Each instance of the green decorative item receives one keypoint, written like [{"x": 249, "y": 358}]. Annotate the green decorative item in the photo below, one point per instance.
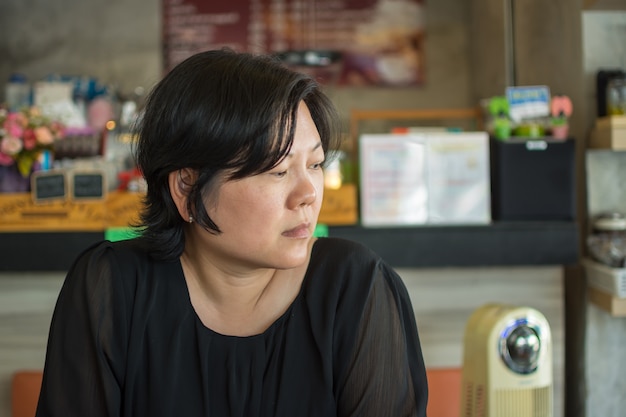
[
  {"x": 115, "y": 234},
  {"x": 530, "y": 130},
  {"x": 321, "y": 230},
  {"x": 499, "y": 111}
]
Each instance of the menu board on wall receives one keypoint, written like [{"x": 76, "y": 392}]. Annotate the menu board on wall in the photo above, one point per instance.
[{"x": 376, "y": 42}]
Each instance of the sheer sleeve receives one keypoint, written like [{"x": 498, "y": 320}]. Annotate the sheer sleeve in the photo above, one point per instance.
[
  {"x": 384, "y": 374},
  {"x": 84, "y": 365}
]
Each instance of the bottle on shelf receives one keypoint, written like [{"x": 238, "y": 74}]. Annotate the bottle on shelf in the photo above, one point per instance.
[
  {"x": 17, "y": 92},
  {"x": 616, "y": 96}
]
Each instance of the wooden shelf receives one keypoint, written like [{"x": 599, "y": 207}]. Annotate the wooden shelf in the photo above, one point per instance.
[
  {"x": 609, "y": 133},
  {"x": 604, "y": 5},
  {"x": 21, "y": 214},
  {"x": 615, "y": 306}
]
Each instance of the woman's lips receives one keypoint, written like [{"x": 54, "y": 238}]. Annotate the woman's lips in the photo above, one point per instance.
[{"x": 299, "y": 232}]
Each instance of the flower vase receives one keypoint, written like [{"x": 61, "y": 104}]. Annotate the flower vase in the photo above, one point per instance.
[
  {"x": 12, "y": 181},
  {"x": 560, "y": 131}
]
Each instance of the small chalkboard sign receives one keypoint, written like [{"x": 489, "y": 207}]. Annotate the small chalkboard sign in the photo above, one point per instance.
[
  {"x": 48, "y": 185},
  {"x": 88, "y": 185}
]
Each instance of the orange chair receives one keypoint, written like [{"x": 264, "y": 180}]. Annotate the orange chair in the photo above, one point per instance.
[
  {"x": 25, "y": 388},
  {"x": 444, "y": 392}
]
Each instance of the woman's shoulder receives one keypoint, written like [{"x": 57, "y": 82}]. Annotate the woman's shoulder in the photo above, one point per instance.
[
  {"x": 343, "y": 265},
  {"x": 125, "y": 268},
  {"x": 344, "y": 278},
  {"x": 106, "y": 262},
  {"x": 344, "y": 251},
  {"x": 349, "y": 265},
  {"x": 124, "y": 252}
]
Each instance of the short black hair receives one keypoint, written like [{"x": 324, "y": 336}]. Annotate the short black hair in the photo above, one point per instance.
[{"x": 219, "y": 112}]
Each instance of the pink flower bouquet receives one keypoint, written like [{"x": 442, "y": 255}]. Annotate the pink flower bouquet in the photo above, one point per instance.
[{"x": 24, "y": 136}]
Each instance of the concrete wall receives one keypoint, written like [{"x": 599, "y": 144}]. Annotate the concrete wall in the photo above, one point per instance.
[
  {"x": 603, "y": 44},
  {"x": 117, "y": 41}
]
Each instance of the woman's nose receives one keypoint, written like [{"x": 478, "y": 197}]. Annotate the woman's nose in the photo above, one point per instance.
[{"x": 305, "y": 191}]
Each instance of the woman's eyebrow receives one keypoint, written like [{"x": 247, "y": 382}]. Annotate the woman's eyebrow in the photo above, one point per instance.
[{"x": 313, "y": 148}]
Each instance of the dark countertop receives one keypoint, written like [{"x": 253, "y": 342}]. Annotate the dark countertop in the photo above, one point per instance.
[{"x": 498, "y": 244}]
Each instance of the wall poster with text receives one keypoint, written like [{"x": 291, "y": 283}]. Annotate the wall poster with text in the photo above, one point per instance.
[{"x": 342, "y": 42}]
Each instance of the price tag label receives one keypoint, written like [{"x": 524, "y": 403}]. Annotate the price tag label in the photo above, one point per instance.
[{"x": 530, "y": 102}]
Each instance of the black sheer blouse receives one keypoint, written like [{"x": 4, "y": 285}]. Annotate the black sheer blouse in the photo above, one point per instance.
[{"x": 126, "y": 341}]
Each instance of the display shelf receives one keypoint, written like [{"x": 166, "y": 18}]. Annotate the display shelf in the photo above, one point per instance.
[
  {"x": 607, "y": 5},
  {"x": 498, "y": 244},
  {"x": 613, "y": 305},
  {"x": 609, "y": 133}
]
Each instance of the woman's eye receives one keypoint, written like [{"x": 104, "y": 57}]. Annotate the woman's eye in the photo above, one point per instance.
[
  {"x": 279, "y": 174},
  {"x": 317, "y": 165}
]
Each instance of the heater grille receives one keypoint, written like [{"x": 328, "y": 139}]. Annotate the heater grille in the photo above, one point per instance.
[
  {"x": 475, "y": 404},
  {"x": 524, "y": 403}
]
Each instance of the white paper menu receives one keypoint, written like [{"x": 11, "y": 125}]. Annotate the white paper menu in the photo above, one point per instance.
[
  {"x": 393, "y": 182},
  {"x": 458, "y": 178}
]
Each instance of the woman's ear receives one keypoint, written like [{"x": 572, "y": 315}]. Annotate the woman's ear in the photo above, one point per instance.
[{"x": 180, "y": 182}]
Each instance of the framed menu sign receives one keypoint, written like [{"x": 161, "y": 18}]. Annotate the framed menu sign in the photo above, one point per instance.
[{"x": 370, "y": 42}]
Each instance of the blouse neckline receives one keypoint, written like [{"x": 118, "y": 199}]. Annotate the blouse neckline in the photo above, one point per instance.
[{"x": 271, "y": 328}]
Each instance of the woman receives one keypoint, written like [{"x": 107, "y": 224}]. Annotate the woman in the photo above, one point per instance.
[{"x": 226, "y": 305}]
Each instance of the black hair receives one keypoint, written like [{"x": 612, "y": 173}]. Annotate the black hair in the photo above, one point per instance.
[{"x": 225, "y": 115}]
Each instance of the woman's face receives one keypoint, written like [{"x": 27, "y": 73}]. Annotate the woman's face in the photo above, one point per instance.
[{"x": 267, "y": 220}]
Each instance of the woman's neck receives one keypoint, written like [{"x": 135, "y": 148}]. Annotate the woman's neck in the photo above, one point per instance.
[{"x": 238, "y": 302}]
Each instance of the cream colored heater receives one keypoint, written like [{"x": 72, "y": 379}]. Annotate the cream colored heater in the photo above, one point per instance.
[{"x": 507, "y": 363}]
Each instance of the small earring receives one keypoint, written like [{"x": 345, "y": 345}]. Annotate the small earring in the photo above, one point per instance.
[{"x": 190, "y": 219}]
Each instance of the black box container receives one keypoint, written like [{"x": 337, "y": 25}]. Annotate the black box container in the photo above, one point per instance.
[{"x": 533, "y": 179}]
